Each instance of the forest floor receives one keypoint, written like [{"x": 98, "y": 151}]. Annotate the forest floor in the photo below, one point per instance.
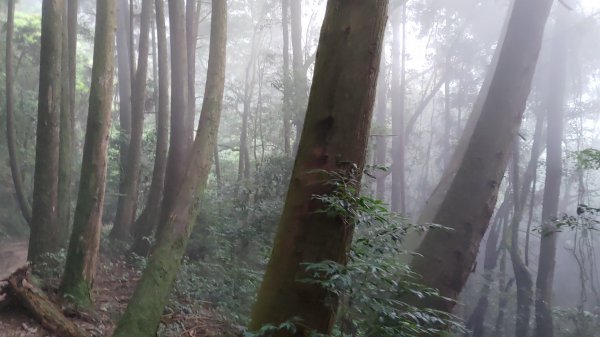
[{"x": 115, "y": 282}]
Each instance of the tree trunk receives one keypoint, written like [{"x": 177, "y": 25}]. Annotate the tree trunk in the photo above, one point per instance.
[
  {"x": 285, "y": 22},
  {"x": 192, "y": 18},
  {"x": 335, "y": 138},
  {"x": 148, "y": 219},
  {"x": 126, "y": 207},
  {"x": 178, "y": 147},
  {"x": 381, "y": 122},
  {"x": 446, "y": 256},
  {"x": 555, "y": 104},
  {"x": 398, "y": 204},
  {"x": 125, "y": 66},
  {"x": 44, "y": 227},
  {"x": 521, "y": 272},
  {"x": 11, "y": 135},
  {"x": 82, "y": 256},
  {"x": 300, "y": 88},
  {"x": 67, "y": 119},
  {"x": 143, "y": 312}
]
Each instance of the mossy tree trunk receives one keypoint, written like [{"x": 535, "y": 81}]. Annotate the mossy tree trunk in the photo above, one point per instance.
[
  {"x": 44, "y": 227},
  {"x": 148, "y": 219},
  {"x": 555, "y": 105},
  {"x": 142, "y": 316},
  {"x": 82, "y": 255},
  {"x": 11, "y": 134},
  {"x": 335, "y": 137},
  {"x": 127, "y": 204},
  {"x": 447, "y": 256}
]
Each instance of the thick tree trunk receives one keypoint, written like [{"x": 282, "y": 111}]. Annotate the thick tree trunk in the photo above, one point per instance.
[
  {"x": 125, "y": 66},
  {"x": 287, "y": 81},
  {"x": 398, "y": 202},
  {"x": 143, "y": 313},
  {"x": 11, "y": 134},
  {"x": 555, "y": 104},
  {"x": 148, "y": 219},
  {"x": 335, "y": 138},
  {"x": 447, "y": 256},
  {"x": 44, "y": 228},
  {"x": 82, "y": 256},
  {"x": 126, "y": 207}
]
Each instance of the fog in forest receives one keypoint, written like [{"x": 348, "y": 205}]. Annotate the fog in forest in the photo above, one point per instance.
[{"x": 288, "y": 168}]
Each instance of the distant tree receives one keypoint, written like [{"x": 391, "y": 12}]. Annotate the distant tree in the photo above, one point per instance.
[
  {"x": 555, "y": 106},
  {"x": 142, "y": 316},
  {"x": 148, "y": 219},
  {"x": 334, "y": 138},
  {"x": 125, "y": 67},
  {"x": 82, "y": 255},
  {"x": 11, "y": 136},
  {"x": 44, "y": 237},
  {"x": 127, "y": 204}
]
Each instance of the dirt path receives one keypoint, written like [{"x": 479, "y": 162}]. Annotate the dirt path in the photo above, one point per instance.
[{"x": 12, "y": 256}]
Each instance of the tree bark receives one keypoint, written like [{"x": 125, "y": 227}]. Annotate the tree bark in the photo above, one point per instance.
[
  {"x": 148, "y": 219},
  {"x": 126, "y": 207},
  {"x": 44, "y": 227},
  {"x": 336, "y": 133},
  {"x": 381, "y": 121},
  {"x": 446, "y": 257},
  {"x": 143, "y": 312},
  {"x": 11, "y": 135},
  {"x": 82, "y": 255},
  {"x": 555, "y": 104}
]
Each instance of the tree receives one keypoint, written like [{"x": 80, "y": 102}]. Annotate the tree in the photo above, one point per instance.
[
  {"x": 67, "y": 118},
  {"x": 131, "y": 175},
  {"x": 470, "y": 191},
  {"x": 125, "y": 67},
  {"x": 192, "y": 18},
  {"x": 555, "y": 104},
  {"x": 82, "y": 256},
  {"x": 286, "y": 83},
  {"x": 300, "y": 84},
  {"x": 44, "y": 237},
  {"x": 334, "y": 138},
  {"x": 11, "y": 136},
  {"x": 398, "y": 198},
  {"x": 142, "y": 316},
  {"x": 148, "y": 219}
]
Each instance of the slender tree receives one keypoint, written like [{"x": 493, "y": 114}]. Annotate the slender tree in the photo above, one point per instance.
[
  {"x": 300, "y": 82},
  {"x": 192, "y": 18},
  {"x": 398, "y": 202},
  {"x": 131, "y": 175},
  {"x": 555, "y": 104},
  {"x": 125, "y": 74},
  {"x": 336, "y": 133},
  {"x": 287, "y": 81},
  {"x": 82, "y": 256},
  {"x": 142, "y": 316},
  {"x": 44, "y": 237},
  {"x": 11, "y": 135},
  {"x": 446, "y": 257},
  {"x": 148, "y": 219}
]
